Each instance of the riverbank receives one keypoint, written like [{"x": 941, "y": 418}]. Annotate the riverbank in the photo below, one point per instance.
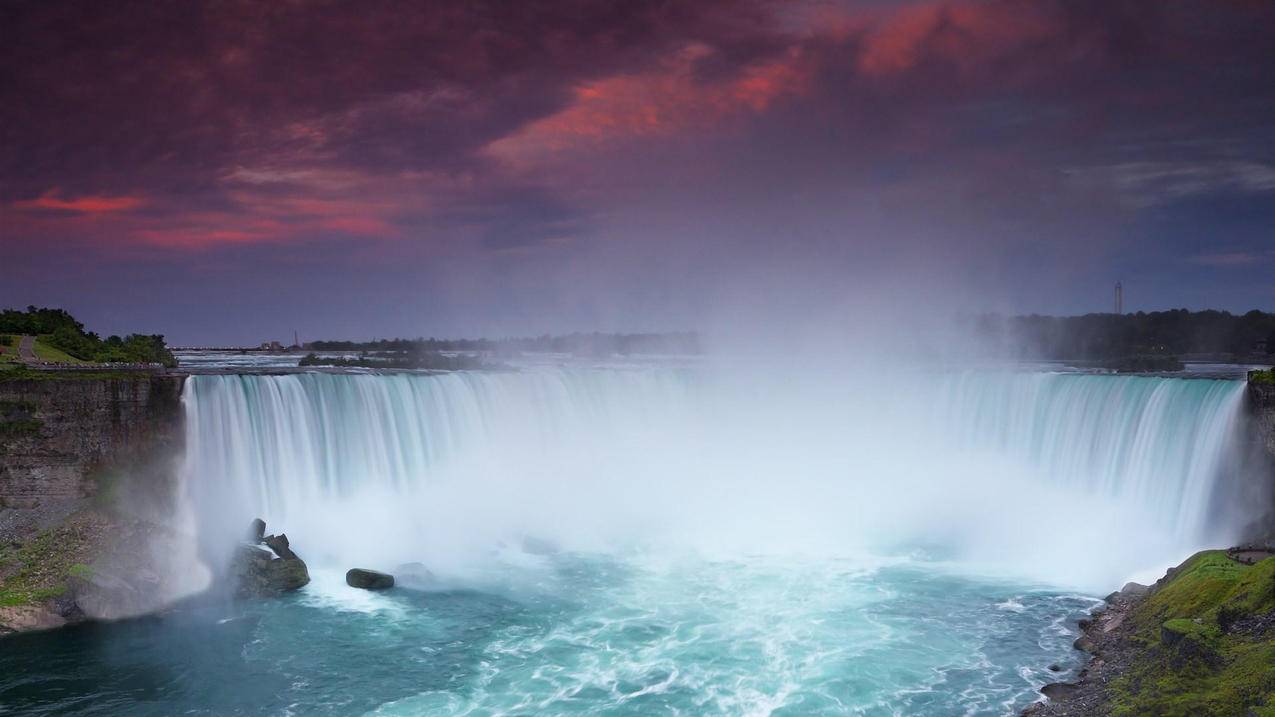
[{"x": 1199, "y": 642}]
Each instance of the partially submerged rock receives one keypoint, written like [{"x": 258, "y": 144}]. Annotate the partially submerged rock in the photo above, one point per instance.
[
  {"x": 267, "y": 569},
  {"x": 1059, "y": 691},
  {"x": 415, "y": 576},
  {"x": 368, "y": 579}
]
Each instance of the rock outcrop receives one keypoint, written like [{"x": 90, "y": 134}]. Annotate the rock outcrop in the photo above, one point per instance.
[{"x": 268, "y": 567}]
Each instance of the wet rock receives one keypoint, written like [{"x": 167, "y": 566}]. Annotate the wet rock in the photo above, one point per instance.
[
  {"x": 258, "y": 531},
  {"x": 415, "y": 576},
  {"x": 258, "y": 573},
  {"x": 279, "y": 544},
  {"x": 368, "y": 579},
  {"x": 27, "y": 618},
  {"x": 1059, "y": 691},
  {"x": 105, "y": 594},
  {"x": 1083, "y": 643},
  {"x": 1055, "y": 667},
  {"x": 269, "y": 570}
]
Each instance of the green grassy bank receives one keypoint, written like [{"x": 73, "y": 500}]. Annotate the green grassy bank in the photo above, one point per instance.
[{"x": 1207, "y": 639}]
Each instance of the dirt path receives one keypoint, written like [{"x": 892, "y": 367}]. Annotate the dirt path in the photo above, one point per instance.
[{"x": 26, "y": 349}]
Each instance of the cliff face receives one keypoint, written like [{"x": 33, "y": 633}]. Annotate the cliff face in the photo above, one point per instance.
[
  {"x": 89, "y": 503},
  {"x": 1261, "y": 405},
  {"x": 60, "y": 438}
]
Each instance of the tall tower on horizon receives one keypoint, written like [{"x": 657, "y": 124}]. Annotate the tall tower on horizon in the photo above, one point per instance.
[{"x": 1119, "y": 298}]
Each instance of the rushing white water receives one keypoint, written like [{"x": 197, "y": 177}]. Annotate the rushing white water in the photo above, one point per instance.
[{"x": 1016, "y": 473}]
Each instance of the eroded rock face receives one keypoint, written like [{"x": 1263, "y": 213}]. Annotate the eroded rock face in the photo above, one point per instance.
[
  {"x": 26, "y": 618},
  {"x": 369, "y": 579},
  {"x": 74, "y": 431},
  {"x": 1261, "y": 399}
]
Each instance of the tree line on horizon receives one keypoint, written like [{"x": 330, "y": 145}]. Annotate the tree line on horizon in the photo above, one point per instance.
[
  {"x": 1177, "y": 332},
  {"x": 59, "y": 329},
  {"x": 579, "y": 344}
]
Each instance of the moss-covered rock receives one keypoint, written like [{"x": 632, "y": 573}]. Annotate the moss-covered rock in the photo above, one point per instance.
[{"x": 1194, "y": 659}]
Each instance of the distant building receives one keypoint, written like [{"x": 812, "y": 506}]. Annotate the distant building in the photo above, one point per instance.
[{"x": 271, "y": 346}]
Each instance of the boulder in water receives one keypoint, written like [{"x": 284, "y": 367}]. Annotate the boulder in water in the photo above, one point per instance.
[
  {"x": 415, "y": 576},
  {"x": 368, "y": 579},
  {"x": 270, "y": 570},
  {"x": 257, "y": 573},
  {"x": 1059, "y": 691}
]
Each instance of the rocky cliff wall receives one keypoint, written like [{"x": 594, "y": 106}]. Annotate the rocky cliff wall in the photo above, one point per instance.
[
  {"x": 61, "y": 437},
  {"x": 1261, "y": 408},
  {"x": 91, "y": 523}
]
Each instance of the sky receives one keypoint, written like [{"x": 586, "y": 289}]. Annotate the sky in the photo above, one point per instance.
[{"x": 230, "y": 172}]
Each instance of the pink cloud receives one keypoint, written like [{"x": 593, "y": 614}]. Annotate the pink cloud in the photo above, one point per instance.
[
  {"x": 655, "y": 103},
  {"x": 87, "y": 204}
]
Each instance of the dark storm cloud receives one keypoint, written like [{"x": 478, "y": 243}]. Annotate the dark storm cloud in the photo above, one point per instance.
[{"x": 162, "y": 96}]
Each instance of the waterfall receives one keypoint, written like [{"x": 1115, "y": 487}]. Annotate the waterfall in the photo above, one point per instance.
[
  {"x": 383, "y": 468},
  {"x": 1159, "y": 443}
]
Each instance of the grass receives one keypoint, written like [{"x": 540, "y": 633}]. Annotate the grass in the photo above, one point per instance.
[
  {"x": 1267, "y": 376},
  {"x": 1205, "y": 669},
  {"x": 20, "y": 372},
  {"x": 9, "y": 343},
  {"x": 45, "y": 352}
]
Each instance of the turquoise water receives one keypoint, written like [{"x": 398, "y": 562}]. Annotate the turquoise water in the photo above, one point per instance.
[{"x": 576, "y": 635}]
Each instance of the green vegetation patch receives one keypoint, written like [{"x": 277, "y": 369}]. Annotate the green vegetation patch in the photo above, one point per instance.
[
  {"x": 20, "y": 372},
  {"x": 1195, "y": 661},
  {"x": 41, "y": 567},
  {"x": 1267, "y": 376},
  {"x": 62, "y": 339},
  {"x": 48, "y": 353}
]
